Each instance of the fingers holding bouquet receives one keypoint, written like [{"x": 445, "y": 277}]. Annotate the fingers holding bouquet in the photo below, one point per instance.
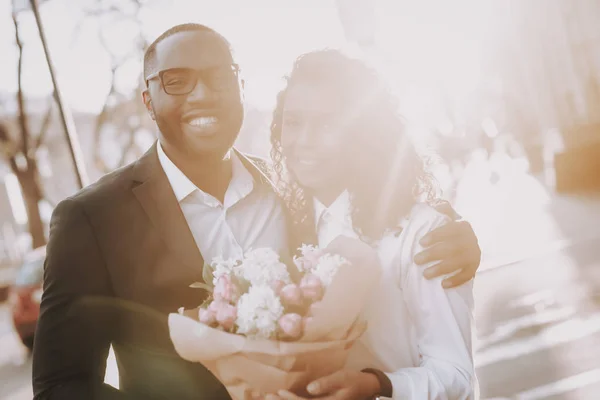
[
  {"x": 341, "y": 385},
  {"x": 259, "y": 329}
]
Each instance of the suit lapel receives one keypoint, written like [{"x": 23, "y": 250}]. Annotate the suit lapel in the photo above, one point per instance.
[
  {"x": 156, "y": 197},
  {"x": 259, "y": 174},
  {"x": 260, "y": 170}
]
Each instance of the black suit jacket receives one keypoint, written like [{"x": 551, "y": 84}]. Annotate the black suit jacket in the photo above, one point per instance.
[{"x": 120, "y": 258}]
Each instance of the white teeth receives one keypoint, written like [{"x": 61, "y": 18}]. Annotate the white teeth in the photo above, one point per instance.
[{"x": 203, "y": 121}]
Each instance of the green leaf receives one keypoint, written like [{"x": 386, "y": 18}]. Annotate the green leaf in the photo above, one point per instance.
[
  {"x": 206, "y": 302},
  {"x": 207, "y": 274},
  {"x": 201, "y": 285}
]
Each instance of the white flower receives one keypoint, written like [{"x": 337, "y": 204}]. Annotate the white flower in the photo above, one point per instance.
[
  {"x": 258, "y": 312},
  {"x": 223, "y": 266},
  {"x": 263, "y": 254},
  {"x": 262, "y": 267},
  {"x": 308, "y": 250},
  {"x": 328, "y": 266}
]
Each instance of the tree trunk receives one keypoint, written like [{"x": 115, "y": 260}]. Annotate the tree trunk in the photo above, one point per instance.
[
  {"x": 29, "y": 186},
  {"x": 32, "y": 195},
  {"x": 28, "y": 174}
]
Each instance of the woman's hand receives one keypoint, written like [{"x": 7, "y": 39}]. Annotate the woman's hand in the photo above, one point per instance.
[
  {"x": 341, "y": 385},
  {"x": 454, "y": 246}
]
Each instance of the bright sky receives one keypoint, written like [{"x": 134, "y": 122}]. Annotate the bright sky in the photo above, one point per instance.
[
  {"x": 267, "y": 36},
  {"x": 424, "y": 46}
]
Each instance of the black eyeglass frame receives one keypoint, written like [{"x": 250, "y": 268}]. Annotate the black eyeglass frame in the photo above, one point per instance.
[{"x": 235, "y": 68}]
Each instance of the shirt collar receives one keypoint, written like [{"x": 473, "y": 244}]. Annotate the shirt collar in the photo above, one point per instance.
[
  {"x": 182, "y": 186},
  {"x": 339, "y": 210},
  {"x": 241, "y": 180}
]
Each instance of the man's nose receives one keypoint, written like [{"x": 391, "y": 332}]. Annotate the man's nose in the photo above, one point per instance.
[{"x": 201, "y": 92}]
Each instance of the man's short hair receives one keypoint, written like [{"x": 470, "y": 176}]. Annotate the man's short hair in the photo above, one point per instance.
[{"x": 150, "y": 54}]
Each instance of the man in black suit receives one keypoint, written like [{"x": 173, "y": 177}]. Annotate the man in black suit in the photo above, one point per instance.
[{"x": 123, "y": 251}]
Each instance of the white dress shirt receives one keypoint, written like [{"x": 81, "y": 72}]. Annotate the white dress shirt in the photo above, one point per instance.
[
  {"x": 251, "y": 215},
  {"x": 418, "y": 333}
]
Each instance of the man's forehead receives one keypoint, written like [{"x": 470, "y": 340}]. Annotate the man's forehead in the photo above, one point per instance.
[{"x": 192, "y": 49}]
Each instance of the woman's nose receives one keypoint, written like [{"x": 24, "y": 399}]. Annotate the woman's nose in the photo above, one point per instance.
[{"x": 304, "y": 136}]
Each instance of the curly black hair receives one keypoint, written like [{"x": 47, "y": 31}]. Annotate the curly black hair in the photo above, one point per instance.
[{"x": 389, "y": 177}]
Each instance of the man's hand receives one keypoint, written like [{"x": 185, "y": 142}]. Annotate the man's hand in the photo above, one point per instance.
[
  {"x": 341, "y": 385},
  {"x": 455, "y": 247}
]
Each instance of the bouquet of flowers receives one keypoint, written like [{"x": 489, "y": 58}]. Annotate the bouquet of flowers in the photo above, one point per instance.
[{"x": 268, "y": 326}]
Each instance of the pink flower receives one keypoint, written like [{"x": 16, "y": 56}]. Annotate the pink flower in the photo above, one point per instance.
[
  {"x": 291, "y": 295},
  {"x": 218, "y": 306},
  {"x": 226, "y": 315},
  {"x": 291, "y": 325},
  {"x": 311, "y": 287},
  {"x": 277, "y": 286},
  {"x": 308, "y": 261},
  {"x": 206, "y": 317},
  {"x": 225, "y": 290}
]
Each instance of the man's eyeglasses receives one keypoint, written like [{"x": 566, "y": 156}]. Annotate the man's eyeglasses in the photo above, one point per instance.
[{"x": 181, "y": 81}]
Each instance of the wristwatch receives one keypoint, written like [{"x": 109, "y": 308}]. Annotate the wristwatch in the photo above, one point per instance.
[{"x": 384, "y": 383}]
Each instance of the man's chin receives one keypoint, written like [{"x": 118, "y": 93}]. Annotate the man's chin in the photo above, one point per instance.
[
  {"x": 209, "y": 148},
  {"x": 208, "y": 142}
]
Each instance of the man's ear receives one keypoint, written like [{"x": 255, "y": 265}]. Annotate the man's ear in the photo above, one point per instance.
[{"x": 148, "y": 103}]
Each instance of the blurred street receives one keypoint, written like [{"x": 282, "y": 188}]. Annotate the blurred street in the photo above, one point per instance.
[{"x": 538, "y": 292}]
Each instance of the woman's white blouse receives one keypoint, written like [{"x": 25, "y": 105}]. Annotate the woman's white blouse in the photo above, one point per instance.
[{"x": 418, "y": 333}]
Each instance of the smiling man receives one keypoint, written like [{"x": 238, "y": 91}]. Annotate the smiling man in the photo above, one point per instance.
[
  {"x": 123, "y": 251},
  {"x": 195, "y": 96}
]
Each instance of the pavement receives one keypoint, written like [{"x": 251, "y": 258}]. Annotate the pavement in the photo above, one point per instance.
[{"x": 537, "y": 292}]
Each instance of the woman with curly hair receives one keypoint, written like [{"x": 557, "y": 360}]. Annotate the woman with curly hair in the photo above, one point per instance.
[{"x": 345, "y": 166}]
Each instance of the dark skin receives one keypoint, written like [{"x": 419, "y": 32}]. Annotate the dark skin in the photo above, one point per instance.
[
  {"x": 346, "y": 384},
  {"x": 349, "y": 385},
  {"x": 201, "y": 153},
  {"x": 456, "y": 245},
  {"x": 312, "y": 145},
  {"x": 197, "y": 130}
]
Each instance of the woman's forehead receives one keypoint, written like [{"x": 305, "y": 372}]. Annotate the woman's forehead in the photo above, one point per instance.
[{"x": 195, "y": 49}]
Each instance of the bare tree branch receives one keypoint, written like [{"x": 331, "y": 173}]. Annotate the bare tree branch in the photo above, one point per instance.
[
  {"x": 20, "y": 97},
  {"x": 111, "y": 114},
  {"x": 128, "y": 147},
  {"x": 45, "y": 126},
  {"x": 27, "y": 174},
  {"x": 100, "y": 121}
]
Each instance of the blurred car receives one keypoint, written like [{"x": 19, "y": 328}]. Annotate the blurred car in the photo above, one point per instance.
[{"x": 25, "y": 295}]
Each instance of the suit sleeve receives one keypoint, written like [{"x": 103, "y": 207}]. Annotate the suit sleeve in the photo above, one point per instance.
[{"x": 71, "y": 345}]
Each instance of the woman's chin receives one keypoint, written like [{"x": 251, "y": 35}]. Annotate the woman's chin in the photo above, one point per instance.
[{"x": 312, "y": 183}]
